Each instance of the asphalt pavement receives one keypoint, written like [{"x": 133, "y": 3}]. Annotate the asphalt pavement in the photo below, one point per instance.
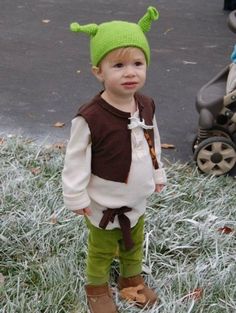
[{"x": 45, "y": 69}]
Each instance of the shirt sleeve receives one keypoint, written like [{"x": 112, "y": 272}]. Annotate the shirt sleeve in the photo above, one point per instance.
[
  {"x": 77, "y": 167},
  {"x": 159, "y": 174}
]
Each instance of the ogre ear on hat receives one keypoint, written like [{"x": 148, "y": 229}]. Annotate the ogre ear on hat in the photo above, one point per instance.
[
  {"x": 145, "y": 22},
  {"x": 90, "y": 29}
]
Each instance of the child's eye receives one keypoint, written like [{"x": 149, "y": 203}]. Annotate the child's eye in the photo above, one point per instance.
[
  {"x": 138, "y": 63},
  {"x": 118, "y": 65}
]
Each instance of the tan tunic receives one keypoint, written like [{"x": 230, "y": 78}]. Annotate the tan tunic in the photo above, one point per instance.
[{"x": 83, "y": 189}]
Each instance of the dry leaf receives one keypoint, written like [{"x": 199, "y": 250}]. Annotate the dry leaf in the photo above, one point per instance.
[
  {"x": 225, "y": 230},
  {"x": 195, "y": 295},
  {"x": 35, "y": 170},
  {"x": 2, "y": 141},
  {"x": 59, "y": 124},
  {"x": 31, "y": 115},
  {"x": 54, "y": 146},
  {"x": 46, "y": 21},
  {"x": 168, "y": 30},
  {"x": 53, "y": 219},
  {"x": 59, "y": 146},
  {"x": 28, "y": 141},
  {"x": 131, "y": 294},
  {"x": 167, "y": 146}
]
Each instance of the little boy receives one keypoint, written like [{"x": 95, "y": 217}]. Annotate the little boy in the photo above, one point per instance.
[{"x": 112, "y": 161}]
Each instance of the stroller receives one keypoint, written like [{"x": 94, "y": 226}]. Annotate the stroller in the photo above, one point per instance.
[{"x": 214, "y": 147}]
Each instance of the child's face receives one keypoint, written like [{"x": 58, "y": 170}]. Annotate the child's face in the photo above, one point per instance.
[{"x": 122, "y": 72}]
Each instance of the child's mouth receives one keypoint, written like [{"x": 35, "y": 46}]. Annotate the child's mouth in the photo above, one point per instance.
[{"x": 130, "y": 84}]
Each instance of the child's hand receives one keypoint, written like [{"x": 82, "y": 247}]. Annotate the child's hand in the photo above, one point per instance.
[
  {"x": 159, "y": 187},
  {"x": 85, "y": 211}
]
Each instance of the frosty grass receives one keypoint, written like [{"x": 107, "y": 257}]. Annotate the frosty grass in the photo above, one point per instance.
[{"x": 189, "y": 250}]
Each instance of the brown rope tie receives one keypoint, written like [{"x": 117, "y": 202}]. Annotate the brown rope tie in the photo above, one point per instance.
[{"x": 109, "y": 216}]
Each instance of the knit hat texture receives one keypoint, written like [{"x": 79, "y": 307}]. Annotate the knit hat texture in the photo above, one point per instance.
[{"x": 117, "y": 34}]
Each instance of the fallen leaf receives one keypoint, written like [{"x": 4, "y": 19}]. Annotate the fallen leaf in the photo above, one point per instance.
[
  {"x": 31, "y": 115},
  {"x": 167, "y": 146},
  {"x": 53, "y": 219},
  {"x": 225, "y": 230},
  {"x": 28, "y": 141},
  {"x": 195, "y": 295},
  {"x": 168, "y": 30},
  {"x": 46, "y": 21},
  {"x": 2, "y": 141},
  {"x": 59, "y": 124},
  {"x": 35, "y": 170},
  {"x": 59, "y": 146}
]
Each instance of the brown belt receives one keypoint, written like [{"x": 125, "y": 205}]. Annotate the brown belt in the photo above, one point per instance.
[{"x": 109, "y": 216}]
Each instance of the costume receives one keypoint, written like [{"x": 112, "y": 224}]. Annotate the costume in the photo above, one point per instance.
[
  {"x": 111, "y": 167},
  {"x": 82, "y": 188}
]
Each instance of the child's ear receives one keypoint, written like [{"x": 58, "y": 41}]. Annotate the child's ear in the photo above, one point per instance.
[{"x": 97, "y": 72}]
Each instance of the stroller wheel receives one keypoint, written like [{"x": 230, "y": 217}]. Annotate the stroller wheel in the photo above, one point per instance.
[
  {"x": 215, "y": 155},
  {"x": 217, "y": 131}
]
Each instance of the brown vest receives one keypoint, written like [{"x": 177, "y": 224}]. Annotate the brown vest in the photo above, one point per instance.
[{"x": 110, "y": 136}]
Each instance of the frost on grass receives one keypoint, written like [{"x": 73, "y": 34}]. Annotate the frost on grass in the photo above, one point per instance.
[{"x": 189, "y": 250}]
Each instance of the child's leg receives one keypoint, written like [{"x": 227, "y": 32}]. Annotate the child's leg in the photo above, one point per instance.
[
  {"x": 131, "y": 283},
  {"x": 102, "y": 247},
  {"x": 131, "y": 261}
]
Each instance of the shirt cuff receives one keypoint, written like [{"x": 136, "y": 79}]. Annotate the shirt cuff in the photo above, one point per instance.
[
  {"x": 160, "y": 176},
  {"x": 76, "y": 202}
]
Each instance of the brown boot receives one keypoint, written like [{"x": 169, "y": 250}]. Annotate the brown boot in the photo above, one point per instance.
[
  {"x": 135, "y": 290},
  {"x": 100, "y": 299}
]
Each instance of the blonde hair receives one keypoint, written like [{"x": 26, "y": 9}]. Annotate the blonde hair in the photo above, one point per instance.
[{"x": 122, "y": 54}]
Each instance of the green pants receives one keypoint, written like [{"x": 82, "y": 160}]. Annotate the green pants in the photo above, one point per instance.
[{"x": 104, "y": 245}]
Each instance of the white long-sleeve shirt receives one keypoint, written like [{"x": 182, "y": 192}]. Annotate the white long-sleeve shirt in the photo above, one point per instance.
[{"x": 83, "y": 189}]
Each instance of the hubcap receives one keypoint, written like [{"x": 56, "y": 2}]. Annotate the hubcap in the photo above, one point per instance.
[{"x": 216, "y": 158}]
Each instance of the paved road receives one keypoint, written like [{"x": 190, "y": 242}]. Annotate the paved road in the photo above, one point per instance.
[{"x": 45, "y": 72}]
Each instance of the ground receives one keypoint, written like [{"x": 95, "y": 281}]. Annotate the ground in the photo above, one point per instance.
[{"x": 45, "y": 72}]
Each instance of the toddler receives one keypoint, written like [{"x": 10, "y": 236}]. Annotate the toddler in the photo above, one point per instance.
[{"x": 112, "y": 161}]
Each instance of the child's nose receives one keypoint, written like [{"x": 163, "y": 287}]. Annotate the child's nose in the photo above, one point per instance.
[{"x": 129, "y": 71}]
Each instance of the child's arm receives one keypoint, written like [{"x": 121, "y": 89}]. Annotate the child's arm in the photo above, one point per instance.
[
  {"x": 77, "y": 166},
  {"x": 159, "y": 174}
]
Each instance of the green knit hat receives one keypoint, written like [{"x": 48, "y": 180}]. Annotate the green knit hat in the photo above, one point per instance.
[{"x": 117, "y": 34}]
